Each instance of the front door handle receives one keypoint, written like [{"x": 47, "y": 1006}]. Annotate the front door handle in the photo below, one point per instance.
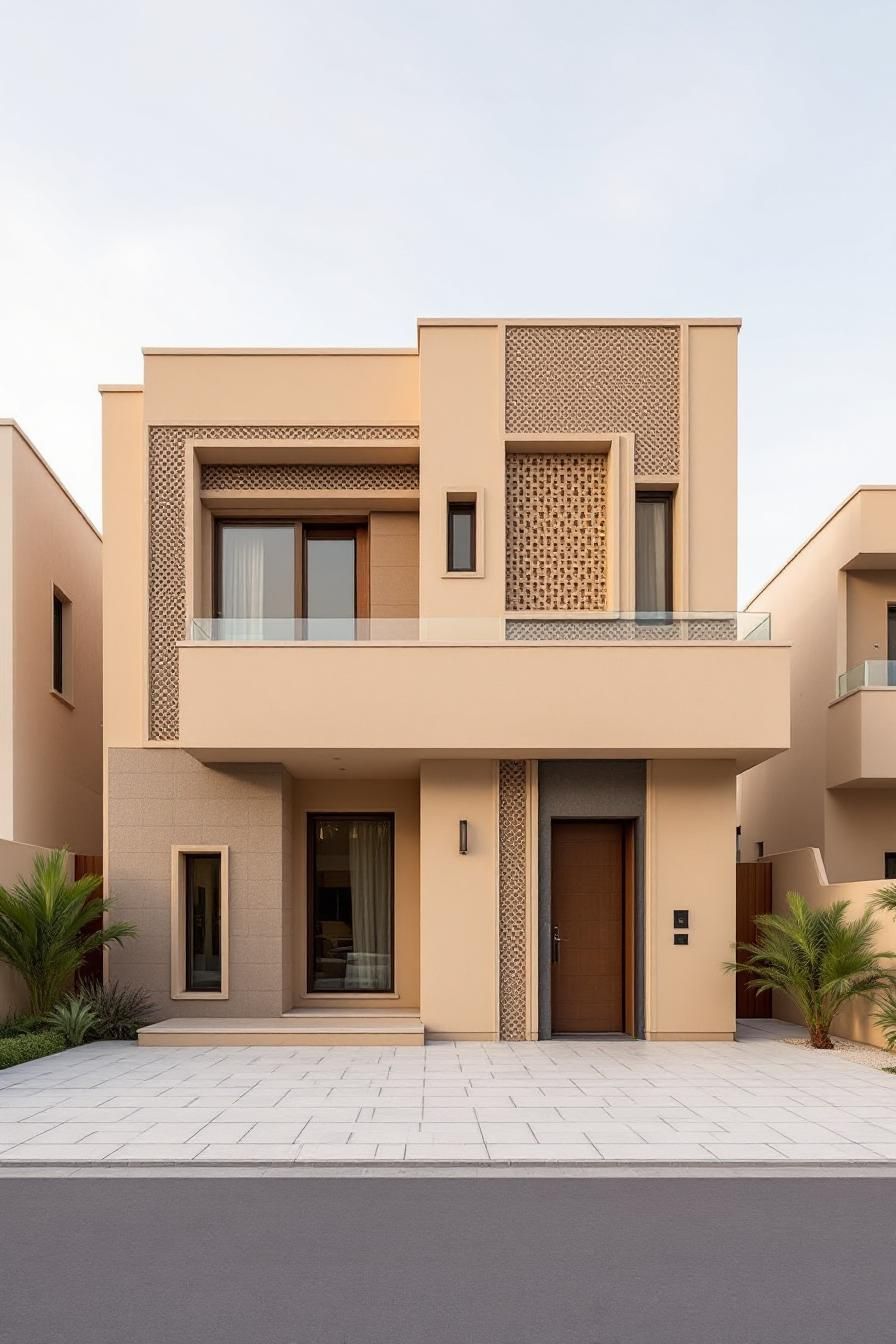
[{"x": 556, "y": 940}]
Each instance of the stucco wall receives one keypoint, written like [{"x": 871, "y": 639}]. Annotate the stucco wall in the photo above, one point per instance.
[
  {"x": 57, "y": 759},
  {"x": 803, "y": 870},
  {"x": 394, "y": 565},
  {"x": 161, "y": 798},
  {"x": 458, "y": 899},
  {"x": 690, "y": 866}
]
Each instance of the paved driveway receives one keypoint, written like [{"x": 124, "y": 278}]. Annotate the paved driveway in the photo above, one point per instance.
[{"x": 755, "y": 1100}]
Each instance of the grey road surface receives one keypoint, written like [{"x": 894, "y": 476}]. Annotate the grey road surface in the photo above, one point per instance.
[{"x": 460, "y": 1261}]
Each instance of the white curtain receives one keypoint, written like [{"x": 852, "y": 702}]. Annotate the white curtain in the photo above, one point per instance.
[
  {"x": 243, "y": 583},
  {"x": 651, "y": 555},
  {"x": 370, "y": 866}
]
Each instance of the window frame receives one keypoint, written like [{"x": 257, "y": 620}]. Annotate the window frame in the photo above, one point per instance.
[
  {"x": 64, "y": 691},
  {"x": 888, "y": 855},
  {"x": 667, "y": 498},
  {"x": 178, "y": 988},
  {"x": 357, "y": 527},
  {"x": 468, "y": 508},
  {"x": 312, "y": 819}
]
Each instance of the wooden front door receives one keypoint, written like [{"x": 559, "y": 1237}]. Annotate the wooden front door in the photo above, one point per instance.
[{"x": 588, "y": 900}]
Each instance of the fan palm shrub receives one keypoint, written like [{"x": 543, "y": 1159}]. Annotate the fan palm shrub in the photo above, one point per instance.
[
  {"x": 885, "y": 1017},
  {"x": 819, "y": 959},
  {"x": 43, "y": 927},
  {"x": 73, "y": 1018}
]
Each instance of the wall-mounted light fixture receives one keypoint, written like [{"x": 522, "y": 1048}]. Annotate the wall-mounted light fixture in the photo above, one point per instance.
[{"x": 462, "y": 837}]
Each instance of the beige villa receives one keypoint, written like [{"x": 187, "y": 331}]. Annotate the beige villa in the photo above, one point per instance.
[
  {"x": 425, "y": 691},
  {"x": 50, "y": 670},
  {"x": 835, "y": 790}
]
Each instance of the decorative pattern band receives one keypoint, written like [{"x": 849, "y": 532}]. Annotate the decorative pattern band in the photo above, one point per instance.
[{"x": 310, "y": 476}]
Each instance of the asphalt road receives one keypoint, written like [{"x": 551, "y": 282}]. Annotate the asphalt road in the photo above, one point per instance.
[{"x": 447, "y": 1261}]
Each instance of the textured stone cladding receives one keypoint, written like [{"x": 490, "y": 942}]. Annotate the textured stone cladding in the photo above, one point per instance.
[
  {"x": 167, "y": 538},
  {"x": 512, "y": 899},
  {"x": 580, "y": 380},
  {"x": 163, "y": 797},
  {"x": 556, "y": 531}
]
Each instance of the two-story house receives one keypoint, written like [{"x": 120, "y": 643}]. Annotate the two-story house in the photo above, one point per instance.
[
  {"x": 425, "y": 688},
  {"x": 835, "y": 601},
  {"x": 50, "y": 673}
]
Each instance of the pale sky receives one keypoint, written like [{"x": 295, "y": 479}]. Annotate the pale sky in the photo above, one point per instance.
[{"x": 207, "y": 172}]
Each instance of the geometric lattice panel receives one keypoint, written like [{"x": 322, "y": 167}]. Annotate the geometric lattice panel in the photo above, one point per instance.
[
  {"x": 167, "y": 542},
  {"x": 556, "y": 532},
  {"x": 512, "y": 900},
  {"x": 310, "y": 476},
  {"x": 579, "y": 380}
]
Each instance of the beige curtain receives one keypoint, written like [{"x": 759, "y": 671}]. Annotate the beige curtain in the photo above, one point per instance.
[{"x": 370, "y": 865}]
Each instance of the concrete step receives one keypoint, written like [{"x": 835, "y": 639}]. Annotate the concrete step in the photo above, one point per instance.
[{"x": 299, "y": 1027}]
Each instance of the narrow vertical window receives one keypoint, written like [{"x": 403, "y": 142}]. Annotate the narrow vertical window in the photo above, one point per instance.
[
  {"x": 890, "y": 865},
  {"x": 461, "y": 536},
  {"x": 653, "y": 552},
  {"x": 202, "y": 908},
  {"x": 62, "y": 615}
]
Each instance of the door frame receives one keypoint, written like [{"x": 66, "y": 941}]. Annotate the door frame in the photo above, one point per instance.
[
  {"x": 310, "y": 843},
  {"x": 629, "y": 917}
]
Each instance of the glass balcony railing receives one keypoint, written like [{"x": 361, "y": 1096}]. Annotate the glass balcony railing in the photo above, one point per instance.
[
  {"x": 530, "y": 627},
  {"x": 877, "y": 672}
]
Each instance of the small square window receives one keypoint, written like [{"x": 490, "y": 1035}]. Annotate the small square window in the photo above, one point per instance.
[
  {"x": 62, "y": 645},
  {"x": 461, "y": 536}
]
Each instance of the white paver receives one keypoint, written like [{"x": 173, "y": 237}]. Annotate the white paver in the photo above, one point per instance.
[{"x": 755, "y": 1100}]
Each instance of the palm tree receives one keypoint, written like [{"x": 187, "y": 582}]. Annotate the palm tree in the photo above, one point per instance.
[
  {"x": 43, "y": 927},
  {"x": 819, "y": 959},
  {"x": 885, "y": 1017}
]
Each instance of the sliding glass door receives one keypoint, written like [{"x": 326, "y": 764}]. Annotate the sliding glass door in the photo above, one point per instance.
[
  {"x": 287, "y": 579},
  {"x": 350, "y": 903}
]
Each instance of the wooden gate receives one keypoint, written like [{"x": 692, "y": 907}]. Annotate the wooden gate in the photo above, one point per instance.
[
  {"x": 93, "y": 965},
  {"x": 754, "y": 897}
]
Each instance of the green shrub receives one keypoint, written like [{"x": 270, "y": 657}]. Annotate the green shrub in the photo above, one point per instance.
[
  {"x": 45, "y": 927},
  {"x": 73, "y": 1018},
  {"x": 20, "y": 1024},
  {"x": 120, "y": 1010},
  {"x": 19, "y": 1049}
]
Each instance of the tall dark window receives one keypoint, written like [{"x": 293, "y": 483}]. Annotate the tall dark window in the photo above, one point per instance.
[
  {"x": 58, "y": 646},
  {"x": 653, "y": 551},
  {"x": 890, "y": 865},
  {"x": 202, "y": 890},
  {"x": 350, "y": 905},
  {"x": 461, "y": 536}
]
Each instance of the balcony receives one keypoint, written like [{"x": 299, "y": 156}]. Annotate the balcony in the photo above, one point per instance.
[
  {"x": 381, "y": 694},
  {"x": 861, "y": 745}
]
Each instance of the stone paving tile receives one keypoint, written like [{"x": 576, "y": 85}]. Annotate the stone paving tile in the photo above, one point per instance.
[{"x": 756, "y": 1100}]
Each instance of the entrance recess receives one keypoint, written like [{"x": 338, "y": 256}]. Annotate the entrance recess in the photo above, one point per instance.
[{"x": 590, "y": 926}]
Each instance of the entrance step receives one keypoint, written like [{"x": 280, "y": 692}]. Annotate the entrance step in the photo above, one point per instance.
[{"x": 301, "y": 1026}]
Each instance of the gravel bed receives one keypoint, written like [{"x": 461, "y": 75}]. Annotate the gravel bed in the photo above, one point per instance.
[{"x": 855, "y": 1051}]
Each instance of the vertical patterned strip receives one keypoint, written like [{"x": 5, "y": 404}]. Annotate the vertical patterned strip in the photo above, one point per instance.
[{"x": 512, "y": 899}]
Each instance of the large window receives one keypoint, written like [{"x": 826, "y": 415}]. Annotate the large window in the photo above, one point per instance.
[
  {"x": 202, "y": 911},
  {"x": 350, "y": 903},
  {"x": 271, "y": 574},
  {"x": 653, "y": 552}
]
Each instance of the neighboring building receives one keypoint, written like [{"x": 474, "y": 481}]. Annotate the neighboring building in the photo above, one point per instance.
[
  {"x": 51, "y": 778},
  {"x": 387, "y": 748},
  {"x": 835, "y": 602}
]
